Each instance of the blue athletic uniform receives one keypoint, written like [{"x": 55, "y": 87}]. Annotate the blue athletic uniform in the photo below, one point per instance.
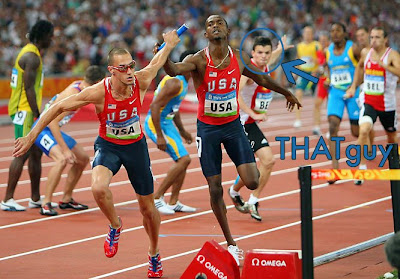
[
  {"x": 175, "y": 146},
  {"x": 342, "y": 70},
  {"x": 46, "y": 141}
]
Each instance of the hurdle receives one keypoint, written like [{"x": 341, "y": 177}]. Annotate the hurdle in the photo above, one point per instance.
[{"x": 306, "y": 175}]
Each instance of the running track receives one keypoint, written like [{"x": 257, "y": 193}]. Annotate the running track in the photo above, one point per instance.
[{"x": 71, "y": 245}]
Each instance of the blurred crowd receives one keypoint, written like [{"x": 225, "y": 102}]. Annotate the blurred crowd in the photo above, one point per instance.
[{"x": 85, "y": 30}]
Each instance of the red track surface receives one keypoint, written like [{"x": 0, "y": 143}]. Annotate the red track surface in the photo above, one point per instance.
[{"x": 71, "y": 244}]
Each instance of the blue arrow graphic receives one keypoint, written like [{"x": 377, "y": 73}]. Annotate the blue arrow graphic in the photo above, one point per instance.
[{"x": 290, "y": 67}]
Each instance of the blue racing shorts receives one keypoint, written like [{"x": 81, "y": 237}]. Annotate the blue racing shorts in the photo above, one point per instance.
[
  {"x": 134, "y": 157},
  {"x": 232, "y": 136},
  {"x": 175, "y": 147},
  {"x": 336, "y": 104},
  {"x": 45, "y": 141}
]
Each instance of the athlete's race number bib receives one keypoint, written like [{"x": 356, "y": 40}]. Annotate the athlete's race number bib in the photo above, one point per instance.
[
  {"x": 341, "y": 78},
  {"x": 46, "y": 142},
  {"x": 129, "y": 129},
  {"x": 374, "y": 85},
  {"x": 262, "y": 102},
  {"x": 19, "y": 117},
  {"x": 220, "y": 105},
  {"x": 14, "y": 78}
]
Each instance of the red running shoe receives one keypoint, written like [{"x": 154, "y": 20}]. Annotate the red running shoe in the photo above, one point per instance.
[
  {"x": 155, "y": 267},
  {"x": 111, "y": 242}
]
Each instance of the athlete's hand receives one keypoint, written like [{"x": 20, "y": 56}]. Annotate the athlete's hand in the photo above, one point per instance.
[
  {"x": 22, "y": 145},
  {"x": 291, "y": 102},
  {"x": 186, "y": 136},
  {"x": 286, "y": 46},
  {"x": 259, "y": 116},
  {"x": 69, "y": 156},
  {"x": 350, "y": 92},
  {"x": 161, "y": 143},
  {"x": 171, "y": 38}
]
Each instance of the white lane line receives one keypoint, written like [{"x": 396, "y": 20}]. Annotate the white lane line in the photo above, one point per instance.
[
  {"x": 248, "y": 236},
  {"x": 189, "y": 216},
  {"x": 194, "y": 155},
  {"x": 113, "y": 184}
]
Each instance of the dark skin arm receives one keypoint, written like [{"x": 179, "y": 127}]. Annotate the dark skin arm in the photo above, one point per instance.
[
  {"x": 170, "y": 89},
  {"x": 174, "y": 69},
  {"x": 267, "y": 82},
  {"x": 184, "y": 134},
  {"x": 30, "y": 62}
]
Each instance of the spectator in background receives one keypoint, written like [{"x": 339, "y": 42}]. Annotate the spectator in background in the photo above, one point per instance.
[{"x": 154, "y": 16}]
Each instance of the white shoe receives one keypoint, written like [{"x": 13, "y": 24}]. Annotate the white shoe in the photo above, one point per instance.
[
  {"x": 180, "y": 207},
  {"x": 328, "y": 135},
  {"x": 236, "y": 253},
  {"x": 163, "y": 207},
  {"x": 297, "y": 124},
  {"x": 38, "y": 204},
  {"x": 11, "y": 205}
]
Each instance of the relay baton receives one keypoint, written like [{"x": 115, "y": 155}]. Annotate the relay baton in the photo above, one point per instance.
[{"x": 180, "y": 31}]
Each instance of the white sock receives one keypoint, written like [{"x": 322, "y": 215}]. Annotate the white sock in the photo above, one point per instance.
[
  {"x": 362, "y": 167},
  {"x": 233, "y": 193},
  {"x": 252, "y": 199}
]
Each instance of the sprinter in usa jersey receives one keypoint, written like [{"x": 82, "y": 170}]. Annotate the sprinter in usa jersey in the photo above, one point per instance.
[
  {"x": 216, "y": 72},
  {"x": 121, "y": 141}
]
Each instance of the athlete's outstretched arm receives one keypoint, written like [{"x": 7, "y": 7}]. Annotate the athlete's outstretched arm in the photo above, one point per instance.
[
  {"x": 394, "y": 63},
  {"x": 276, "y": 54},
  {"x": 87, "y": 96},
  {"x": 267, "y": 82},
  {"x": 147, "y": 74},
  {"x": 187, "y": 65}
]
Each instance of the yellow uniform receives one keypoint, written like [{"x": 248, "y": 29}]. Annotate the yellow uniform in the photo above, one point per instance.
[
  {"x": 308, "y": 53},
  {"x": 18, "y": 107}
]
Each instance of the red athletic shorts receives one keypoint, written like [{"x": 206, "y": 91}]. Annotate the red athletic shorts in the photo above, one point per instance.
[{"x": 322, "y": 91}]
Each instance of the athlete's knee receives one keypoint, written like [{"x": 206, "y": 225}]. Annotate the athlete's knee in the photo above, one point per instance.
[
  {"x": 99, "y": 189},
  {"x": 216, "y": 193},
  {"x": 364, "y": 130},
  {"x": 61, "y": 162},
  {"x": 268, "y": 163},
  {"x": 365, "y": 125},
  {"x": 333, "y": 127},
  {"x": 185, "y": 161},
  {"x": 252, "y": 183},
  {"x": 147, "y": 209},
  {"x": 35, "y": 153}
]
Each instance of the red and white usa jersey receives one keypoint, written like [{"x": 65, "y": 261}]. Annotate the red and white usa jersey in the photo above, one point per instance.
[
  {"x": 255, "y": 97},
  {"x": 119, "y": 120},
  {"x": 217, "y": 94},
  {"x": 379, "y": 84}
]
